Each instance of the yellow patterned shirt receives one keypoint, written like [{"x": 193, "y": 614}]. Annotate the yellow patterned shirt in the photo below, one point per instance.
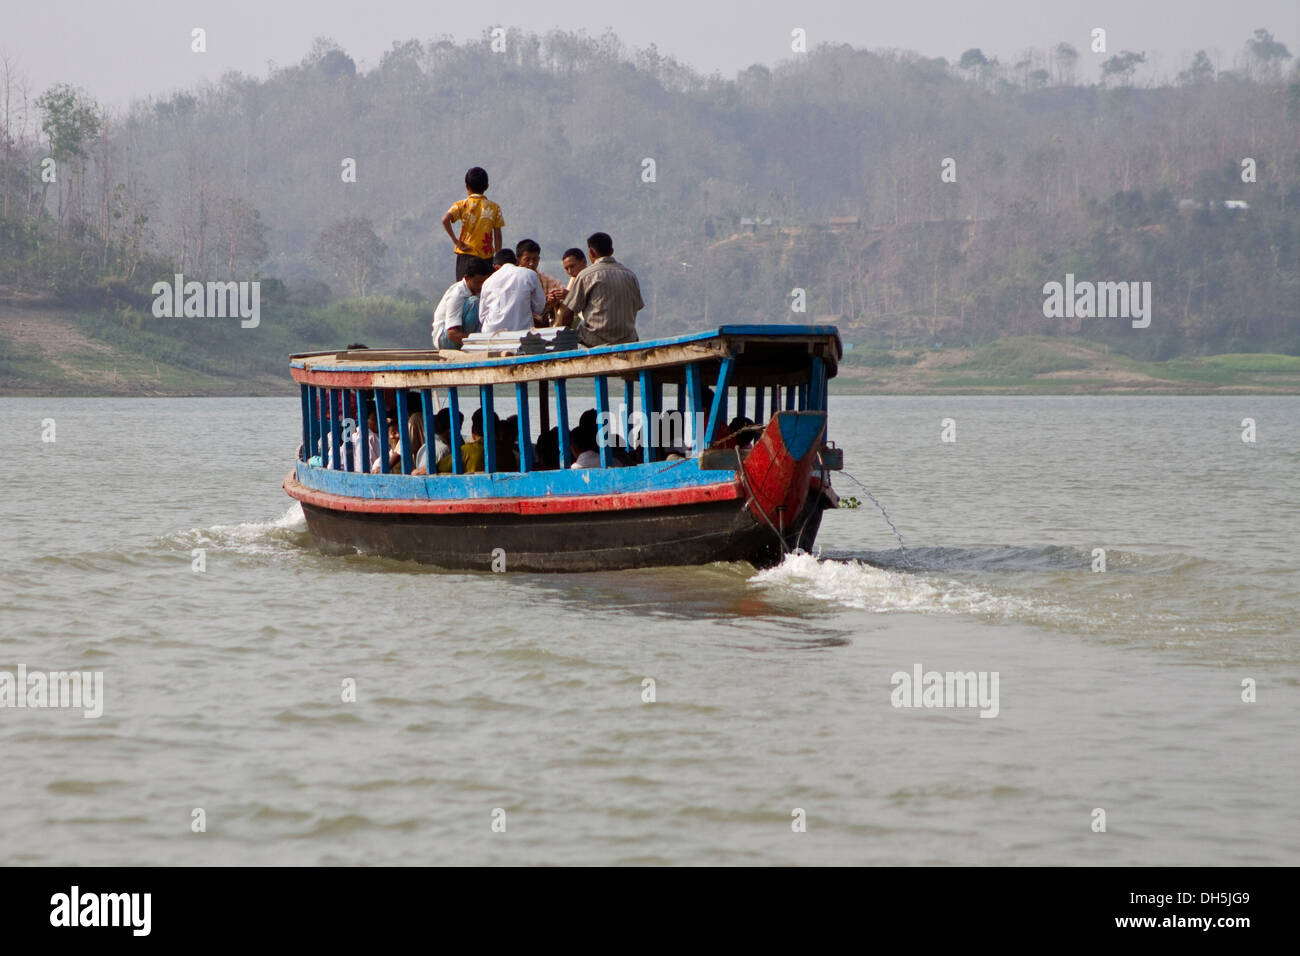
[{"x": 478, "y": 217}]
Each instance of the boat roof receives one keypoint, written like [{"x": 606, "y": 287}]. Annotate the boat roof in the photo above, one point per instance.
[{"x": 761, "y": 354}]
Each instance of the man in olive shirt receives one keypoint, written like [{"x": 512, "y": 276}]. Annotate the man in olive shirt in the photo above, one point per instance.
[{"x": 607, "y": 294}]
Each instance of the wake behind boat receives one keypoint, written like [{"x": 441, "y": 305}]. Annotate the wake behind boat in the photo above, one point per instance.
[{"x": 648, "y": 482}]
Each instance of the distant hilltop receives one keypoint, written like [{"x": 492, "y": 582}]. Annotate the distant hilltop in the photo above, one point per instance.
[{"x": 909, "y": 199}]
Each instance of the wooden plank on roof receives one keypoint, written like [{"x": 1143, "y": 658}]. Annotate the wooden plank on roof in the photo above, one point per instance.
[{"x": 567, "y": 365}]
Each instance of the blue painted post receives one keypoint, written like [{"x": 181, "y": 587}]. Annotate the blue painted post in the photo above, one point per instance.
[
  {"x": 695, "y": 394},
  {"x": 525, "y": 429},
  {"x": 775, "y": 403},
  {"x": 381, "y": 422},
  {"x": 789, "y": 398},
  {"x": 404, "y": 433},
  {"x": 628, "y": 405},
  {"x": 562, "y": 420},
  {"x": 346, "y": 451},
  {"x": 489, "y": 428},
  {"x": 758, "y": 405},
  {"x": 681, "y": 398},
  {"x": 602, "y": 416},
  {"x": 719, "y": 409},
  {"x": 323, "y": 410},
  {"x": 363, "y": 432},
  {"x": 426, "y": 407},
  {"x": 336, "y": 426},
  {"x": 306, "y": 421},
  {"x": 453, "y": 412},
  {"x": 816, "y": 393},
  {"x": 648, "y": 429},
  {"x": 543, "y": 407},
  {"x": 803, "y": 397},
  {"x": 313, "y": 423}
]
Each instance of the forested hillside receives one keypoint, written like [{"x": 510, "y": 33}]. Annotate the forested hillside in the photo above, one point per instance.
[{"x": 821, "y": 174}]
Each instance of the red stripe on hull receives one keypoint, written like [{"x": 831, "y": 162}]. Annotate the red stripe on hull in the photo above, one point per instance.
[{"x": 567, "y": 504}]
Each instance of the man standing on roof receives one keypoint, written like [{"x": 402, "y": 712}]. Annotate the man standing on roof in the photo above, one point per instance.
[
  {"x": 607, "y": 294},
  {"x": 480, "y": 222}
]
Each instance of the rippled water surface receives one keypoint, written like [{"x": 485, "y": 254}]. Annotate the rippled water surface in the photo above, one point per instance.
[{"x": 1119, "y": 690}]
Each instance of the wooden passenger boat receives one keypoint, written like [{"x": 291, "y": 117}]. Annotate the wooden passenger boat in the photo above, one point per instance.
[{"x": 713, "y": 496}]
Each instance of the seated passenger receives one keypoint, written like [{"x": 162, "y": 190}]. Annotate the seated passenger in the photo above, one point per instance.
[
  {"x": 394, "y": 446},
  {"x": 508, "y": 442},
  {"x": 510, "y": 297},
  {"x": 507, "y": 456},
  {"x": 374, "y": 447},
  {"x": 472, "y": 451},
  {"x": 546, "y": 452},
  {"x": 588, "y": 425},
  {"x": 419, "y": 444},
  {"x": 442, "y": 438},
  {"x": 740, "y": 433},
  {"x": 441, "y": 441},
  {"x": 352, "y": 447},
  {"x": 618, "y": 456},
  {"x": 456, "y": 315},
  {"x": 585, "y": 447}
]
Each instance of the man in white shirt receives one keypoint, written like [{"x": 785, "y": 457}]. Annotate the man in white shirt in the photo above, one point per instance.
[
  {"x": 583, "y": 441},
  {"x": 510, "y": 296},
  {"x": 449, "y": 318}
]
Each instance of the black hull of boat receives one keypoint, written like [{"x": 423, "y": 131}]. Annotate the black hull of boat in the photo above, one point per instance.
[{"x": 608, "y": 541}]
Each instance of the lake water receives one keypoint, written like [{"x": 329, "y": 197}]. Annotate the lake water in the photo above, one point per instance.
[{"x": 1119, "y": 690}]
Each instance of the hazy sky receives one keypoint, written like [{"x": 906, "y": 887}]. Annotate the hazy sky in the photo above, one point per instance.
[{"x": 127, "y": 48}]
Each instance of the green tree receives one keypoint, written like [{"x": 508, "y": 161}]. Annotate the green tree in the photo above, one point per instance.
[
  {"x": 1267, "y": 53},
  {"x": 70, "y": 120},
  {"x": 1200, "y": 71},
  {"x": 1067, "y": 58},
  {"x": 1122, "y": 65},
  {"x": 973, "y": 60}
]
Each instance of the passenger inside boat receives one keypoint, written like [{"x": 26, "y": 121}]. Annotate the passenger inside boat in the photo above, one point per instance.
[
  {"x": 640, "y": 420},
  {"x": 586, "y": 451},
  {"x": 508, "y": 442},
  {"x": 441, "y": 442},
  {"x": 618, "y": 454},
  {"x": 472, "y": 455},
  {"x": 740, "y": 433},
  {"x": 394, "y": 446},
  {"x": 546, "y": 450},
  {"x": 415, "y": 436}
]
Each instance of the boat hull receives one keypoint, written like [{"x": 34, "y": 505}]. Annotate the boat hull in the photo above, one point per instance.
[
  {"x": 688, "y": 534},
  {"x": 751, "y": 507}
]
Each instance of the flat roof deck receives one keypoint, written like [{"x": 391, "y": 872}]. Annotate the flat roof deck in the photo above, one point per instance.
[{"x": 762, "y": 355}]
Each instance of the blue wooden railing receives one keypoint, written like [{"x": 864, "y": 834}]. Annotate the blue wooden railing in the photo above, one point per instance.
[{"x": 330, "y": 416}]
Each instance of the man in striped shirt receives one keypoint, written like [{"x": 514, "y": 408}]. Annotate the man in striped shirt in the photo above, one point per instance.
[{"x": 607, "y": 294}]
